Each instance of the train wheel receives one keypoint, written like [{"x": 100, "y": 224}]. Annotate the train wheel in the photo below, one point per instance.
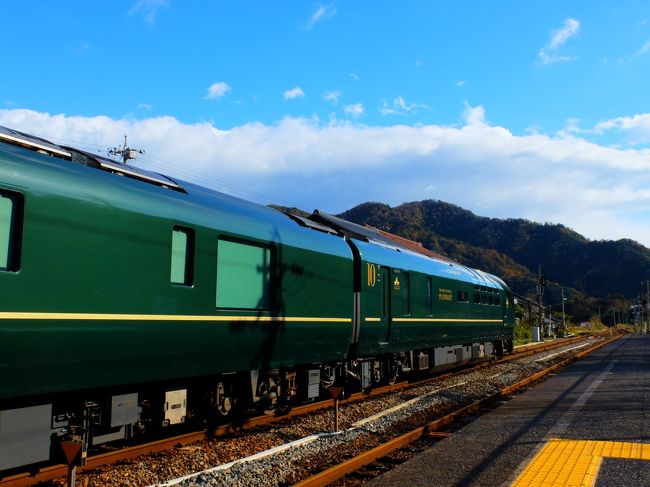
[
  {"x": 393, "y": 370},
  {"x": 283, "y": 408}
]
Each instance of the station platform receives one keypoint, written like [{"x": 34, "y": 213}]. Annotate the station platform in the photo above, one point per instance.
[{"x": 587, "y": 425}]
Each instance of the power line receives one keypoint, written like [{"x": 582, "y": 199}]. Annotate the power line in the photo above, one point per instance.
[{"x": 225, "y": 185}]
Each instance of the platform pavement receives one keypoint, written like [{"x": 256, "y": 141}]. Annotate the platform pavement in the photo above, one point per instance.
[{"x": 589, "y": 423}]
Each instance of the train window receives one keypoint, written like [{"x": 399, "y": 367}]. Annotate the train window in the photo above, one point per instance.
[
  {"x": 462, "y": 296},
  {"x": 406, "y": 298},
  {"x": 243, "y": 275},
  {"x": 477, "y": 297},
  {"x": 182, "y": 264},
  {"x": 497, "y": 300},
  {"x": 10, "y": 226},
  {"x": 429, "y": 296}
]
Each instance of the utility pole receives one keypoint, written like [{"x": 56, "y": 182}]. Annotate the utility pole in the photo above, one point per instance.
[
  {"x": 639, "y": 323},
  {"x": 540, "y": 292},
  {"x": 647, "y": 299},
  {"x": 563, "y": 316},
  {"x": 126, "y": 153}
]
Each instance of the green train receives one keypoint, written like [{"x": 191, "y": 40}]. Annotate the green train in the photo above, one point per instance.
[{"x": 131, "y": 301}]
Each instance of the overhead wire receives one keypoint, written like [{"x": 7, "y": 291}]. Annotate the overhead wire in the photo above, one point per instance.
[{"x": 199, "y": 178}]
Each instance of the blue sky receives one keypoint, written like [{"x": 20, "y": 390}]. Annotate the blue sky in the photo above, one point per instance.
[{"x": 536, "y": 109}]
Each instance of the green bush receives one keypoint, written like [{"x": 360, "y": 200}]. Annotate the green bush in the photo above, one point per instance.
[{"x": 523, "y": 332}]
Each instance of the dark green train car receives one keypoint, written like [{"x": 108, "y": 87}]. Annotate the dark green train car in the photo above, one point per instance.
[
  {"x": 98, "y": 282},
  {"x": 410, "y": 301},
  {"x": 417, "y": 312}
]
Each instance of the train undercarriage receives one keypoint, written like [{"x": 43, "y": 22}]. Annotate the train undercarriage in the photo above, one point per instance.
[{"x": 31, "y": 432}]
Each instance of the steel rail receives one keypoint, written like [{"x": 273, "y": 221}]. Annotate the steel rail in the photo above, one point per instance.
[
  {"x": 54, "y": 472},
  {"x": 356, "y": 463}
]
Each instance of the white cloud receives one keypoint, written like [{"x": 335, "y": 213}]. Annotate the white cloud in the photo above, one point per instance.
[
  {"x": 323, "y": 12},
  {"x": 599, "y": 191},
  {"x": 294, "y": 93},
  {"x": 144, "y": 106},
  {"x": 148, "y": 9},
  {"x": 636, "y": 127},
  {"x": 548, "y": 54},
  {"x": 217, "y": 90},
  {"x": 354, "y": 76},
  {"x": 572, "y": 127},
  {"x": 474, "y": 116},
  {"x": 355, "y": 110},
  {"x": 546, "y": 58},
  {"x": 570, "y": 29},
  {"x": 399, "y": 106},
  {"x": 332, "y": 97},
  {"x": 644, "y": 49},
  {"x": 461, "y": 82}
]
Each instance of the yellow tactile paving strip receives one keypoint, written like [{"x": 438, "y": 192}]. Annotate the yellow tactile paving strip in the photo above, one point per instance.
[{"x": 576, "y": 462}]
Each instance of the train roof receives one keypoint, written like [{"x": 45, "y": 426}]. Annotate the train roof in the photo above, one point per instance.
[
  {"x": 44, "y": 146},
  {"x": 405, "y": 259},
  {"x": 399, "y": 252}
]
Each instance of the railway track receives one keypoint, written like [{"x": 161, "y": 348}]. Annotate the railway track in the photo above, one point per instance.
[
  {"x": 101, "y": 460},
  {"x": 366, "y": 458}
]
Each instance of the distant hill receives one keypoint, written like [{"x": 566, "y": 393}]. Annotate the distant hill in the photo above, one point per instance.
[{"x": 513, "y": 248}]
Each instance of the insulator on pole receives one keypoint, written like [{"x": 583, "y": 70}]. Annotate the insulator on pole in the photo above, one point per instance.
[{"x": 126, "y": 153}]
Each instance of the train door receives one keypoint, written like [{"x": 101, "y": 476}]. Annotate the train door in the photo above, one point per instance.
[
  {"x": 376, "y": 311},
  {"x": 384, "y": 278}
]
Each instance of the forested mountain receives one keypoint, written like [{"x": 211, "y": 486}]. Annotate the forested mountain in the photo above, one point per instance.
[{"x": 514, "y": 248}]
